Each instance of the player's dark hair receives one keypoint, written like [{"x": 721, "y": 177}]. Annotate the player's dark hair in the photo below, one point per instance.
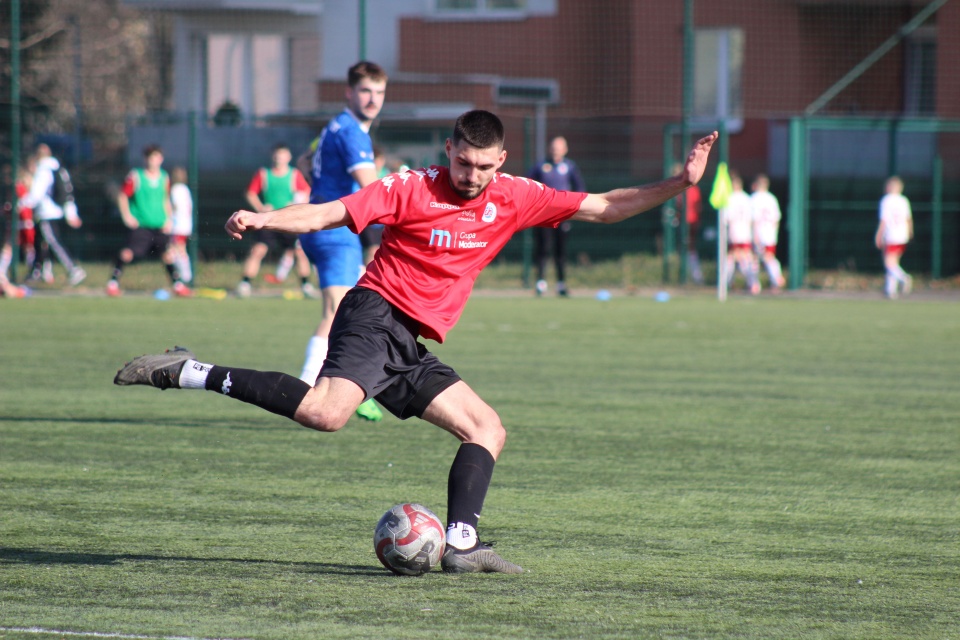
[
  {"x": 281, "y": 145},
  {"x": 151, "y": 149},
  {"x": 480, "y": 129},
  {"x": 365, "y": 69}
]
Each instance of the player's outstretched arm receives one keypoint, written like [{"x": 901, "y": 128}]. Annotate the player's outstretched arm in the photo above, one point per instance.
[
  {"x": 620, "y": 204},
  {"x": 297, "y": 218}
]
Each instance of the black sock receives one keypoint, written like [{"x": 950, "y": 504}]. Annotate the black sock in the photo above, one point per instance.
[
  {"x": 271, "y": 390},
  {"x": 172, "y": 272},
  {"x": 467, "y": 484},
  {"x": 117, "y": 270}
]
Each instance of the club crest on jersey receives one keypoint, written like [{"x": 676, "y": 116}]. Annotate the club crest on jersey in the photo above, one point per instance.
[{"x": 489, "y": 212}]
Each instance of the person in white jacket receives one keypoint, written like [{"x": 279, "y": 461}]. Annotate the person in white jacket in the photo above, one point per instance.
[{"x": 47, "y": 216}]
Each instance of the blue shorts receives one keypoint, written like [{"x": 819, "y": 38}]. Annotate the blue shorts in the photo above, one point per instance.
[{"x": 338, "y": 264}]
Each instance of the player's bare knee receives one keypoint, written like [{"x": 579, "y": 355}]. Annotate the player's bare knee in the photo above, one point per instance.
[
  {"x": 490, "y": 432},
  {"x": 499, "y": 436}
]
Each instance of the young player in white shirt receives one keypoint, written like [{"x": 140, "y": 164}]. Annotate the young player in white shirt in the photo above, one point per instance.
[
  {"x": 738, "y": 217},
  {"x": 766, "y": 228},
  {"x": 181, "y": 201},
  {"x": 893, "y": 233}
]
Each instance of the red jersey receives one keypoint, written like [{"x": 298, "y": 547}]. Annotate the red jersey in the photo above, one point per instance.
[
  {"x": 435, "y": 243},
  {"x": 692, "y": 198},
  {"x": 26, "y": 213}
]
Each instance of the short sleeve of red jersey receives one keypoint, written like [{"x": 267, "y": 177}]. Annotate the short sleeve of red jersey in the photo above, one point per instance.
[
  {"x": 299, "y": 182},
  {"x": 256, "y": 183},
  {"x": 537, "y": 205},
  {"x": 380, "y": 202},
  {"x": 130, "y": 184}
]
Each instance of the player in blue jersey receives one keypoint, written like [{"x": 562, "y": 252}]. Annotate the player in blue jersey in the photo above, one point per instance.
[{"x": 342, "y": 163}]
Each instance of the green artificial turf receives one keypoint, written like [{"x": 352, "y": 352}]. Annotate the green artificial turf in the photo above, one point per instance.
[{"x": 763, "y": 468}]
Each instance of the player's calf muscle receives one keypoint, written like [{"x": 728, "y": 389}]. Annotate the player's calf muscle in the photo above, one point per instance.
[
  {"x": 320, "y": 420},
  {"x": 320, "y": 411}
]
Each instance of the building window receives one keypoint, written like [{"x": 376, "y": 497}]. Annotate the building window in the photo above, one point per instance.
[
  {"x": 920, "y": 76},
  {"x": 718, "y": 68},
  {"x": 479, "y": 7},
  {"x": 249, "y": 71}
]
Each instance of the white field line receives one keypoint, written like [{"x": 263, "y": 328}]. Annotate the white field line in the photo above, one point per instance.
[{"x": 96, "y": 634}]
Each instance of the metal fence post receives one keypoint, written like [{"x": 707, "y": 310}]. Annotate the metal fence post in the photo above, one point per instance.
[
  {"x": 14, "y": 129},
  {"x": 797, "y": 211},
  {"x": 527, "y": 234},
  {"x": 936, "y": 252},
  {"x": 193, "y": 179}
]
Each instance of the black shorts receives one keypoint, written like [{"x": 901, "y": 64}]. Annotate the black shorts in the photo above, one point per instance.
[
  {"x": 275, "y": 240},
  {"x": 147, "y": 242},
  {"x": 371, "y": 236},
  {"x": 374, "y": 344}
]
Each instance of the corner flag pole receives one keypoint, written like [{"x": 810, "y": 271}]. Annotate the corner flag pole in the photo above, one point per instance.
[{"x": 719, "y": 194}]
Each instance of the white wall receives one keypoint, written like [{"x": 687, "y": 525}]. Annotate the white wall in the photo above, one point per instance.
[{"x": 190, "y": 32}]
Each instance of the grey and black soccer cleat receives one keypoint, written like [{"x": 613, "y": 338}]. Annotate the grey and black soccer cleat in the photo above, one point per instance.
[
  {"x": 160, "y": 371},
  {"x": 479, "y": 559}
]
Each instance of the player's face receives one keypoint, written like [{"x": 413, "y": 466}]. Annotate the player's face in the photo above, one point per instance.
[
  {"x": 154, "y": 161},
  {"x": 281, "y": 158},
  {"x": 472, "y": 169},
  {"x": 558, "y": 150},
  {"x": 366, "y": 98}
]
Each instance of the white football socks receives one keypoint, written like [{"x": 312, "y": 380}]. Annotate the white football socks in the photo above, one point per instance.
[
  {"x": 284, "y": 266},
  {"x": 315, "y": 355},
  {"x": 184, "y": 269},
  {"x": 461, "y": 536},
  {"x": 775, "y": 271},
  {"x": 194, "y": 375}
]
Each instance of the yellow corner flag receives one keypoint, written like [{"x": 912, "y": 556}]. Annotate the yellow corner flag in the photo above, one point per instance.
[{"x": 722, "y": 187}]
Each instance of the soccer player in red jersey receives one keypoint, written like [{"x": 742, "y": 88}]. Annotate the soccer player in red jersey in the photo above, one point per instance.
[{"x": 442, "y": 226}]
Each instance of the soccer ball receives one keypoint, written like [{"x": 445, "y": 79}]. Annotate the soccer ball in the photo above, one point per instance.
[{"x": 409, "y": 539}]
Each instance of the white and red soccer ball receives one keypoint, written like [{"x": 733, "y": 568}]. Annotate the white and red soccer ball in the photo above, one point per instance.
[{"x": 409, "y": 539}]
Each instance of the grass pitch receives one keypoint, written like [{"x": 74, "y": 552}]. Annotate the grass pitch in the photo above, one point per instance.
[{"x": 774, "y": 468}]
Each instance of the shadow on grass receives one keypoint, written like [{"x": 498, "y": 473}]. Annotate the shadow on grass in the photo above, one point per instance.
[
  {"x": 152, "y": 421},
  {"x": 37, "y": 556}
]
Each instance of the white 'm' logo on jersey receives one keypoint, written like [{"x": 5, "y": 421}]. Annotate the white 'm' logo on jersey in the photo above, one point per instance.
[
  {"x": 489, "y": 213},
  {"x": 440, "y": 236}
]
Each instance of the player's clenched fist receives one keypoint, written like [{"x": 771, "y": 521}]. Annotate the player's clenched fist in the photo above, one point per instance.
[{"x": 241, "y": 221}]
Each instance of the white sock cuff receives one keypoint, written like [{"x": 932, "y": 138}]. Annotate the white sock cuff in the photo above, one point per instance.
[
  {"x": 194, "y": 375},
  {"x": 461, "y": 536}
]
